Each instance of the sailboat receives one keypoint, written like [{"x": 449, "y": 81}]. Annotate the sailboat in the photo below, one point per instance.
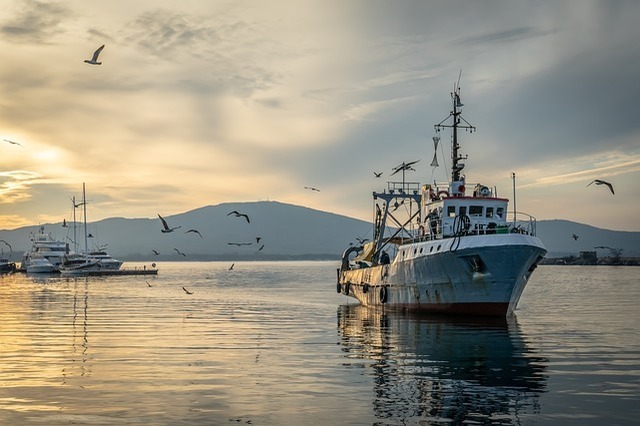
[
  {"x": 452, "y": 251},
  {"x": 83, "y": 263}
]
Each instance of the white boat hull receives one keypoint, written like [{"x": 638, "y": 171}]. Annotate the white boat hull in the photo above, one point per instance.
[{"x": 475, "y": 275}]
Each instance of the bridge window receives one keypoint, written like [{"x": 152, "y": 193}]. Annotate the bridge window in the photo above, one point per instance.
[
  {"x": 451, "y": 211},
  {"x": 463, "y": 210},
  {"x": 489, "y": 212},
  {"x": 475, "y": 210},
  {"x": 500, "y": 212}
]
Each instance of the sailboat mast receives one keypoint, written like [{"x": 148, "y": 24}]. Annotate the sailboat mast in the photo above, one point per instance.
[
  {"x": 75, "y": 237},
  {"x": 84, "y": 204}
]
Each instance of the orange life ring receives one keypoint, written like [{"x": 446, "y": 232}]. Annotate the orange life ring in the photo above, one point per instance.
[
  {"x": 461, "y": 188},
  {"x": 443, "y": 192}
]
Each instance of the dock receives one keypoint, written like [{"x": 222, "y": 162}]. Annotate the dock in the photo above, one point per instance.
[{"x": 106, "y": 272}]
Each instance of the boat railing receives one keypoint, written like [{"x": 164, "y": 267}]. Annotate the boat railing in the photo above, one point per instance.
[
  {"x": 526, "y": 224},
  {"x": 403, "y": 188},
  {"x": 434, "y": 229}
]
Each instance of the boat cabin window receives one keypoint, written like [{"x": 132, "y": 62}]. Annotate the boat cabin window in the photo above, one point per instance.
[
  {"x": 475, "y": 210},
  {"x": 451, "y": 211},
  {"x": 463, "y": 210},
  {"x": 489, "y": 212},
  {"x": 500, "y": 212}
]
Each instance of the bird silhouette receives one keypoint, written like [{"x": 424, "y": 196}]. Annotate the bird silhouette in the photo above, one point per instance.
[
  {"x": 231, "y": 267},
  {"x": 258, "y": 240},
  {"x": 194, "y": 231},
  {"x": 8, "y": 245},
  {"x": 179, "y": 252},
  {"x": 187, "y": 291},
  {"x": 238, "y": 244},
  {"x": 602, "y": 182},
  {"x": 94, "y": 59},
  {"x": 575, "y": 237},
  {"x": 311, "y": 188},
  {"x": 404, "y": 166},
  {"x": 376, "y": 174},
  {"x": 238, "y": 214},
  {"x": 261, "y": 247},
  {"x": 148, "y": 284},
  {"x": 165, "y": 226},
  {"x": 155, "y": 252},
  {"x": 13, "y": 142}
]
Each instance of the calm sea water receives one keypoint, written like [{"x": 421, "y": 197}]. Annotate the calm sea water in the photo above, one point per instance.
[{"x": 272, "y": 343}]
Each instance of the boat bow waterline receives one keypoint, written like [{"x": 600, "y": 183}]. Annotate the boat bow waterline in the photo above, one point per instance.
[{"x": 445, "y": 251}]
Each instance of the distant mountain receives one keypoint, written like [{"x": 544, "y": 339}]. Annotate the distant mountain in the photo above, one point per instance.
[
  {"x": 286, "y": 231},
  {"x": 557, "y": 236}
]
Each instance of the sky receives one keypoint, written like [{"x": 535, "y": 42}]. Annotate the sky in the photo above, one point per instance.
[{"x": 201, "y": 102}]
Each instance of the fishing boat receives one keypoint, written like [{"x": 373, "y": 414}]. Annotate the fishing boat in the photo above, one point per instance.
[{"x": 443, "y": 248}]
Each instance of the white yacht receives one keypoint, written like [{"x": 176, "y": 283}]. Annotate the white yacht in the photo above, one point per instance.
[
  {"x": 38, "y": 264},
  {"x": 87, "y": 262},
  {"x": 44, "y": 246}
]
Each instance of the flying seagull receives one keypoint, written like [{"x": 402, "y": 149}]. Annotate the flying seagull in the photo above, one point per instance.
[
  {"x": 231, "y": 267},
  {"x": 13, "y": 142},
  {"x": 238, "y": 244},
  {"x": 148, "y": 284},
  {"x": 404, "y": 166},
  {"x": 166, "y": 226},
  {"x": 187, "y": 291},
  {"x": 155, "y": 252},
  {"x": 194, "y": 231},
  {"x": 8, "y": 245},
  {"x": 261, "y": 247},
  {"x": 575, "y": 237},
  {"x": 258, "y": 240},
  {"x": 94, "y": 59},
  {"x": 377, "y": 174},
  {"x": 312, "y": 188},
  {"x": 179, "y": 252},
  {"x": 602, "y": 182},
  {"x": 238, "y": 214}
]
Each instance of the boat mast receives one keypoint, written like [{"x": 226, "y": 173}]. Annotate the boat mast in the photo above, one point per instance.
[
  {"x": 84, "y": 203},
  {"x": 456, "y": 113}
]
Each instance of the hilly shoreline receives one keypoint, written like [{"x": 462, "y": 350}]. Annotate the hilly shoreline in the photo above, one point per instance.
[{"x": 278, "y": 231}]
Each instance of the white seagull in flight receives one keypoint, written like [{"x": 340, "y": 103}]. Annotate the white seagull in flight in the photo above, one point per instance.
[{"x": 94, "y": 59}]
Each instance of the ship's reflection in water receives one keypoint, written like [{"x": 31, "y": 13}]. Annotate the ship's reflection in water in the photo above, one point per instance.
[{"x": 443, "y": 369}]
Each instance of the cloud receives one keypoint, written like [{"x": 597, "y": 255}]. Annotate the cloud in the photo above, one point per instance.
[
  {"x": 34, "y": 21},
  {"x": 168, "y": 34},
  {"x": 504, "y": 36},
  {"x": 14, "y": 185}
]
